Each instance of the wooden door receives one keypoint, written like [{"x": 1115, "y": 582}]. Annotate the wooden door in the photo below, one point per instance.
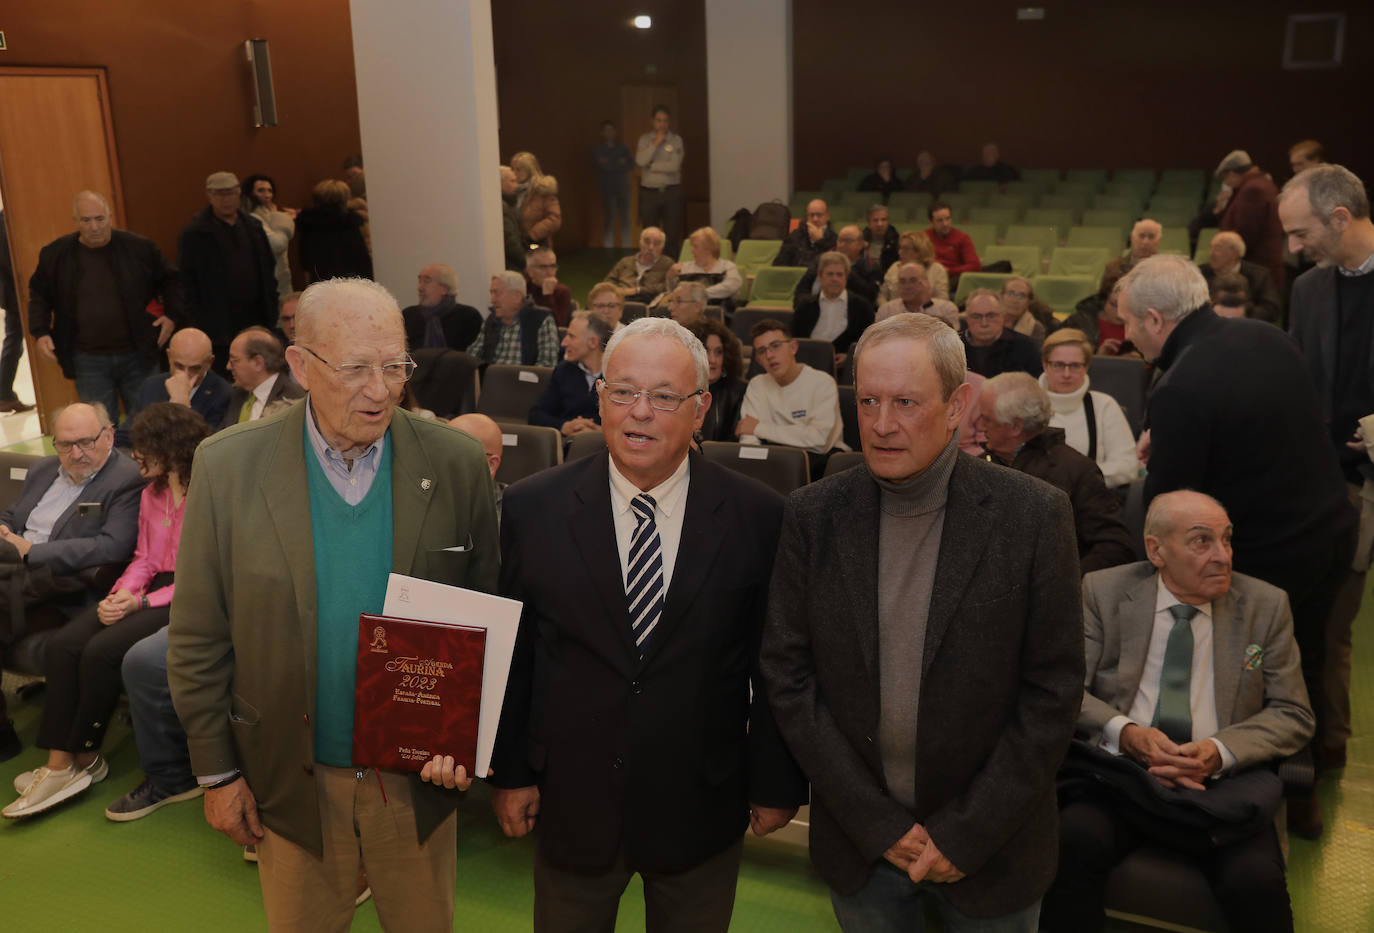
[
  {"x": 637, "y": 103},
  {"x": 56, "y": 139}
]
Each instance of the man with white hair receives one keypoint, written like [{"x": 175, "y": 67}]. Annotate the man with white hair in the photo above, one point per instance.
[
  {"x": 1014, "y": 416},
  {"x": 295, "y": 523},
  {"x": 438, "y": 320},
  {"x": 88, "y": 302},
  {"x": 644, "y": 574},
  {"x": 1234, "y": 414},
  {"x": 1144, "y": 242},
  {"x": 1226, "y": 255},
  {"x": 516, "y": 333},
  {"x": 643, "y": 276}
]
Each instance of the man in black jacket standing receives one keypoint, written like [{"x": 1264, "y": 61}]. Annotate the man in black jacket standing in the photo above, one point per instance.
[
  {"x": 1234, "y": 414},
  {"x": 227, "y": 270},
  {"x": 88, "y": 302}
]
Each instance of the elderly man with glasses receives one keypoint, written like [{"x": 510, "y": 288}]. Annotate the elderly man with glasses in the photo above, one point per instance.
[
  {"x": 78, "y": 509},
  {"x": 991, "y": 346},
  {"x": 294, "y": 523}
]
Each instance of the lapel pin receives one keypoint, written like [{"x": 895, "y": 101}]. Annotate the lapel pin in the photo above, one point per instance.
[
  {"x": 425, "y": 484},
  {"x": 1254, "y": 657}
]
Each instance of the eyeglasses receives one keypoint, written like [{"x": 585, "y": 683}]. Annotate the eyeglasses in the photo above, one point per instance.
[
  {"x": 983, "y": 318},
  {"x": 622, "y": 393},
  {"x": 1012, "y": 294},
  {"x": 771, "y": 347},
  {"x": 1061, "y": 367},
  {"x": 605, "y": 305},
  {"x": 85, "y": 443},
  {"x": 357, "y": 375},
  {"x": 545, "y": 265}
]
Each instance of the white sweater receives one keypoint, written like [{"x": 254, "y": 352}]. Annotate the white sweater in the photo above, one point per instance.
[
  {"x": 804, "y": 413},
  {"x": 1115, "y": 444}
]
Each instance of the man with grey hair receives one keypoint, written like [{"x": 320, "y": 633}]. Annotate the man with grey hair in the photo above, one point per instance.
[
  {"x": 294, "y": 524},
  {"x": 862, "y": 276},
  {"x": 438, "y": 320},
  {"x": 643, "y": 571},
  {"x": 1226, "y": 255},
  {"x": 541, "y": 268},
  {"x": 568, "y": 402},
  {"x": 1234, "y": 414},
  {"x": 643, "y": 276},
  {"x": 88, "y": 302},
  {"x": 1014, "y": 417},
  {"x": 1325, "y": 213},
  {"x": 516, "y": 333},
  {"x": 687, "y": 303},
  {"x": 866, "y": 641},
  {"x": 262, "y": 386},
  {"x": 1252, "y": 211},
  {"x": 991, "y": 346}
]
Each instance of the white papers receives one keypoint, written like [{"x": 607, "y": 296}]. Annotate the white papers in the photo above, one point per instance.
[
  {"x": 426, "y": 601},
  {"x": 526, "y": 376},
  {"x": 510, "y": 440},
  {"x": 753, "y": 453}
]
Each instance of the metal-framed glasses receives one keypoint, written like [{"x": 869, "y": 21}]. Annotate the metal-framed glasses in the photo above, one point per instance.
[
  {"x": 357, "y": 375},
  {"x": 85, "y": 443},
  {"x": 1066, "y": 367},
  {"x": 622, "y": 393}
]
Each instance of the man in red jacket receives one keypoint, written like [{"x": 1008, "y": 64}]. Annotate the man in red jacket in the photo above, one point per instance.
[
  {"x": 1253, "y": 211},
  {"x": 953, "y": 248}
]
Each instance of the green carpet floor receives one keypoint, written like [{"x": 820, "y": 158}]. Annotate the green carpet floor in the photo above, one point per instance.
[{"x": 72, "y": 869}]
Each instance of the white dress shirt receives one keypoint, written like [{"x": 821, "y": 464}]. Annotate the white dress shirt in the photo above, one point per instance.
[
  {"x": 59, "y": 497},
  {"x": 833, "y": 319},
  {"x": 670, "y": 502},
  {"x": 1202, "y": 698},
  {"x": 260, "y": 395}
]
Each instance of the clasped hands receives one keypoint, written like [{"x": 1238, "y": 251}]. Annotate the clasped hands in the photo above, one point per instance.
[
  {"x": 1173, "y": 765},
  {"x": 917, "y": 855}
]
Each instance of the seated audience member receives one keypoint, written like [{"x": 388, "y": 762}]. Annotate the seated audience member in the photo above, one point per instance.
[
  {"x": 726, "y": 378},
  {"x": 286, "y": 320},
  {"x": 643, "y": 276},
  {"x": 489, "y": 435},
  {"x": 882, "y": 238},
  {"x": 1227, "y": 255},
  {"x": 862, "y": 278},
  {"x": 991, "y": 347},
  {"x": 568, "y": 402},
  {"x": 262, "y": 384},
  {"x": 1022, "y": 313},
  {"x": 512, "y": 236},
  {"x": 789, "y": 402},
  {"x": 516, "y": 333},
  {"x": 1144, "y": 242},
  {"x": 1193, "y": 673},
  {"x": 837, "y": 313},
  {"x": 329, "y": 236},
  {"x": 1230, "y": 295},
  {"x": 915, "y": 247},
  {"x": 82, "y": 659},
  {"x": 720, "y": 276},
  {"x": 541, "y": 216},
  {"x": 1014, "y": 414},
  {"x": 804, "y": 245},
  {"x": 931, "y": 178},
  {"x": 544, "y": 289},
  {"x": 1304, "y": 155},
  {"x": 439, "y": 320},
  {"x": 953, "y": 248},
  {"x": 77, "y": 509},
  {"x": 687, "y": 303},
  {"x": 1093, "y": 423},
  {"x": 916, "y": 296},
  {"x": 883, "y": 179},
  {"x": 990, "y": 167},
  {"x": 604, "y": 301},
  {"x": 191, "y": 382},
  {"x": 1097, "y": 315}
]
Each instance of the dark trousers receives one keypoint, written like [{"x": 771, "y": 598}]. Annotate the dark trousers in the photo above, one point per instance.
[
  {"x": 664, "y": 209},
  {"x": 26, "y": 592},
  {"x": 1247, "y": 877},
  {"x": 82, "y": 670},
  {"x": 698, "y": 900},
  {"x": 10, "y": 353}
]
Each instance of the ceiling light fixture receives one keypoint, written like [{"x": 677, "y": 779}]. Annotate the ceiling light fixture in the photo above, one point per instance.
[{"x": 643, "y": 22}]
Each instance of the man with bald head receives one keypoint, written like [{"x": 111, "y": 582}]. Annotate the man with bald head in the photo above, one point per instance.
[
  {"x": 262, "y": 385},
  {"x": 804, "y": 245},
  {"x": 295, "y": 521},
  {"x": 78, "y": 509},
  {"x": 88, "y": 300},
  {"x": 643, "y": 276},
  {"x": 191, "y": 381},
  {"x": 1193, "y": 673},
  {"x": 489, "y": 434}
]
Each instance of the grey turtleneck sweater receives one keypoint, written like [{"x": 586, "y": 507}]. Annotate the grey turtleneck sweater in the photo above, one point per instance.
[{"x": 911, "y": 521}]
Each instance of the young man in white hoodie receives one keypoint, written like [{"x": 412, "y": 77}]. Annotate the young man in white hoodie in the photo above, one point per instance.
[{"x": 789, "y": 402}]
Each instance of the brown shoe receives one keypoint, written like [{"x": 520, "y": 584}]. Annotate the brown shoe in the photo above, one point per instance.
[{"x": 1305, "y": 817}]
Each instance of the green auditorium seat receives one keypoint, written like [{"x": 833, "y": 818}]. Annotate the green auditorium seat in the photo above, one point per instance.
[
  {"x": 1043, "y": 238},
  {"x": 1099, "y": 217},
  {"x": 1061, "y": 217},
  {"x": 1002, "y": 217},
  {"x": 982, "y": 235},
  {"x": 1203, "y": 253},
  {"x": 1062, "y": 292},
  {"x": 1025, "y": 260},
  {"x": 959, "y": 204},
  {"x": 1074, "y": 260},
  {"x": 971, "y": 281},
  {"x": 753, "y": 255},
  {"x": 1076, "y": 202},
  {"x": 913, "y": 202},
  {"x": 1045, "y": 177},
  {"x": 1174, "y": 240},
  {"x": 1110, "y": 238},
  {"x": 980, "y": 191},
  {"x": 774, "y": 286},
  {"x": 1097, "y": 177}
]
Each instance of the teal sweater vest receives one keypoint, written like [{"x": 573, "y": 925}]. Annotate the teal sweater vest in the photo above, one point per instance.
[{"x": 353, "y": 556}]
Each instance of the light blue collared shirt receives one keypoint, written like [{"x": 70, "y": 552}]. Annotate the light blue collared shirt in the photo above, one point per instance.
[
  {"x": 59, "y": 497},
  {"x": 351, "y": 485}
]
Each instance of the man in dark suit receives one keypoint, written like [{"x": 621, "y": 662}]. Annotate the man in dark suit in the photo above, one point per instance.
[
  {"x": 924, "y": 655},
  {"x": 1193, "y": 673},
  {"x": 262, "y": 383},
  {"x": 438, "y": 320},
  {"x": 841, "y": 307},
  {"x": 568, "y": 402},
  {"x": 629, "y": 733},
  {"x": 293, "y": 523},
  {"x": 78, "y": 509},
  {"x": 191, "y": 383}
]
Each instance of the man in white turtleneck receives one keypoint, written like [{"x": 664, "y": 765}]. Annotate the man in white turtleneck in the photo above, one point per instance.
[{"x": 1093, "y": 422}]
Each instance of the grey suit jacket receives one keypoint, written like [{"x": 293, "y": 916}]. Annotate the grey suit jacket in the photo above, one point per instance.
[
  {"x": 1262, "y": 709},
  {"x": 284, "y": 388},
  {"x": 106, "y": 535},
  {"x": 1001, "y": 679}
]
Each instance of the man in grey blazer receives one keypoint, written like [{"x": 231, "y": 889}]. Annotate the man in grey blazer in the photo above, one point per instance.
[
  {"x": 77, "y": 509},
  {"x": 1193, "y": 672},
  {"x": 924, "y": 656}
]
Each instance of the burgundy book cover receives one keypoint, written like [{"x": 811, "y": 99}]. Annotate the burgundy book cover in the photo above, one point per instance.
[{"x": 418, "y": 693}]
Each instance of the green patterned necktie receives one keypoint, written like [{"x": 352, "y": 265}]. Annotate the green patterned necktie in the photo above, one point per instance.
[
  {"x": 246, "y": 410},
  {"x": 1173, "y": 714}
]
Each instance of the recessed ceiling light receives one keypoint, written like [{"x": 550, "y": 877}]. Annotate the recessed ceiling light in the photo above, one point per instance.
[{"x": 643, "y": 22}]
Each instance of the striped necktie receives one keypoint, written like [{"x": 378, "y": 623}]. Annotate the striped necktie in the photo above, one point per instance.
[
  {"x": 1173, "y": 713},
  {"x": 644, "y": 581}
]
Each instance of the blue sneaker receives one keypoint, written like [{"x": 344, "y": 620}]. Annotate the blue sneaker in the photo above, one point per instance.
[{"x": 144, "y": 799}]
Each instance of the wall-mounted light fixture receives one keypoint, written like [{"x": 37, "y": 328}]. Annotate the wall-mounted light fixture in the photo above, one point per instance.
[
  {"x": 264, "y": 95},
  {"x": 643, "y": 21}
]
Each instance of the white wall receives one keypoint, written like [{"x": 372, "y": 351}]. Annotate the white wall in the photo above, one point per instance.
[
  {"x": 427, "y": 107},
  {"x": 749, "y": 94}
]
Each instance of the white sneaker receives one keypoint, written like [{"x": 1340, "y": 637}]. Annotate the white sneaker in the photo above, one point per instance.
[
  {"x": 47, "y": 790},
  {"x": 99, "y": 770}
]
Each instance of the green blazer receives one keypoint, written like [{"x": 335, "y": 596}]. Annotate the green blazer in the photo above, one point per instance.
[{"x": 242, "y": 652}]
